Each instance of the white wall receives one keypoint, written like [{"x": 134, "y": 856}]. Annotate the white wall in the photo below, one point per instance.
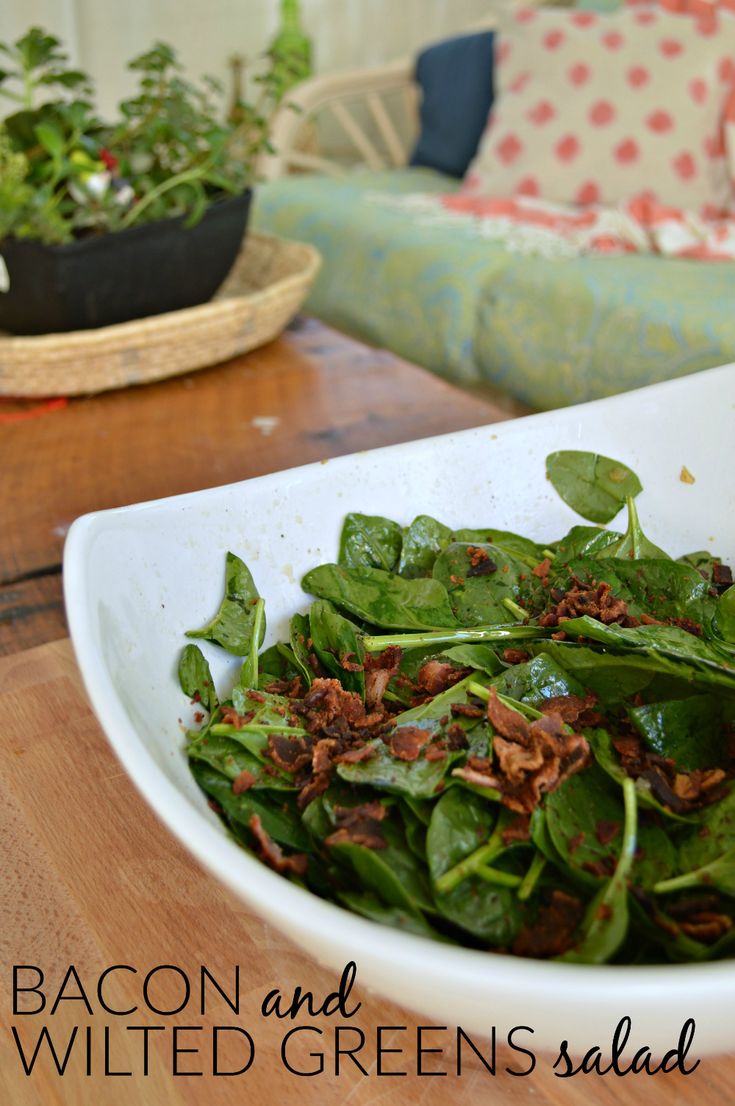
[{"x": 101, "y": 35}]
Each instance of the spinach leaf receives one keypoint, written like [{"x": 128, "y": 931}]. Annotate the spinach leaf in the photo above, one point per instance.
[
  {"x": 478, "y": 599},
  {"x": 634, "y": 543},
  {"x": 504, "y": 541},
  {"x": 608, "y": 759},
  {"x": 337, "y": 644},
  {"x": 280, "y": 820},
  {"x": 249, "y": 670},
  {"x": 299, "y": 636},
  {"x": 594, "y": 486},
  {"x": 232, "y": 626},
  {"x": 195, "y": 677},
  {"x": 381, "y": 598},
  {"x": 459, "y": 824},
  {"x": 576, "y": 814},
  {"x": 584, "y": 541},
  {"x": 690, "y": 731},
  {"x": 370, "y": 541},
  {"x": 402, "y": 917},
  {"x": 394, "y": 874},
  {"x": 277, "y": 663},
  {"x": 423, "y": 541},
  {"x": 231, "y": 757},
  {"x": 667, "y": 648},
  {"x": 714, "y": 837},
  {"x": 725, "y": 616},
  {"x": 421, "y": 778},
  {"x": 605, "y": 924},
  {"x": 661, "y": 588},
  {"x": 538, "y": 679}
]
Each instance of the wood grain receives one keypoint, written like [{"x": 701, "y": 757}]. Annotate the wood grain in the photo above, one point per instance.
[
  {"x": 91, "y": 878},
  {"x": 312, "y": 394}
]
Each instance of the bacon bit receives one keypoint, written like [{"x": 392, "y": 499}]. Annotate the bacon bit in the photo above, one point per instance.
[
  {"x": 485, "y": 567},
  {"x": 348, "y": 665},
  {"x": 243, "y": 782},
  {"x": 214, "y": 805},
  {"x": 323, "y": 754},
  {"x": 478, "y": 556},
  {"x": 687, "y": 624},
  {"x": 706, "y": 926},
  {"x": 605, "y": 831},
  {"x": 517, "y": 830},
  {"x": 359, "y": 825},
  {"x": 573, "y": 709},
  {"x": 532, "y": 758},
  {"x": 466, "y": 710},
  {"x": 272, "y": 854},
  {"x": 231, "y": 718},
  {"x": 406, "y": 742},
  {"x": 458, "y": 581},
  {"x": 680, "y": 791},
  {"x": 601, "y": 869},
  {"x": 554, "y": 929},
  {"x": 721, "y": 576},
  {"x": 649, "y": 620},
  {"x": 515, "y": 656},
  {"x": 288, "y": 753},
  {"x": 356, "y": 756},
  {"x": 456, "y": 737},
  {"x": 542, "y": 571},
  {"x": 436, "y": 676},
  {"x": 313, "y": 662},
  {"x": 436, "y": 752},
  {"x": 594, "y": 600},
  {"x": 198, "y": 716},
  {"x": 604, "y": 911},
  {"x": 255, "y": 695},
  {"x": 379, "y": 671},
  {"x": 291, "y": 689},
  {"x": 574, "y": 842}
]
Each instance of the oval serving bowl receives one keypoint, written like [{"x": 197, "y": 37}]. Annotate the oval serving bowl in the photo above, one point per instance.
[{"x": 136, "y": 578}]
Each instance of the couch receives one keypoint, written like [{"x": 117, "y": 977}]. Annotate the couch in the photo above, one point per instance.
[{"x": 548, "y": 332}]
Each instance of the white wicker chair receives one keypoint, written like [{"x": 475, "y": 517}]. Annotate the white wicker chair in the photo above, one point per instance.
[{"x": 374, "y": 110}]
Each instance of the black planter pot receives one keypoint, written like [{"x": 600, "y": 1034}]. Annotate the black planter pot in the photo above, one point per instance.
[{"x": 112, "y": 278}]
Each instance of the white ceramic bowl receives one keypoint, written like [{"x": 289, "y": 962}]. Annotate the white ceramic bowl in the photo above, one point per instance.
[{"x": 136, "y": 578}]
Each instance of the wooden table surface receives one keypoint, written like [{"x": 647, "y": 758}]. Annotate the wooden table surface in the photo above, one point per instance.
[
  {"x": 90, "y": 878},
  {"x": 312, "y": 394}
]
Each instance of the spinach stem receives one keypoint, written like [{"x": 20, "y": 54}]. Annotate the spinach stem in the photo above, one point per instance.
[
  {"x": 630, "y": 831},
  {"x": 548, "y": 554},
  {"x": 514, "y": 632},
  {"x": 531, "y": 877},
  {"x": 501, "y": 879},
  {"x": 515, "y": 609},
  {"x": 223, "y": 730},
  {"x": 678, "y": 883},
  {"x": 469, "y": 866}
]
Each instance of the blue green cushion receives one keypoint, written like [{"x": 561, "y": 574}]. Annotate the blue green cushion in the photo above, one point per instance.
[{"x": 549, "y": 332}]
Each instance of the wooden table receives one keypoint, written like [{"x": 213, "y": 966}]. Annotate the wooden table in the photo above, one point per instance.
[
  {"x": 90, "y": 878},
  {"x": 312, "y": 394}
]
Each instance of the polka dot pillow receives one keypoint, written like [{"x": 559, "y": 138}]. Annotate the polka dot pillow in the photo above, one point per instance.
[{"x": 594, "y": 108}]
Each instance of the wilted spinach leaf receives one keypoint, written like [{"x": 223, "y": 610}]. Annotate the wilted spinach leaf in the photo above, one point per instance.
[
  {"x": 195, "y": 678},
  {"x": 594, "y": 486},
  {"x": 370, "y": 541},
  {"x": 423, "y": 541},
  {"x": 381, "y": 598},
  {"x": 232, "y": 626}
]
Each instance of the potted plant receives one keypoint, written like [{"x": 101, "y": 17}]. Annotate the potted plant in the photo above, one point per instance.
[{"x": 105, "y": 222}]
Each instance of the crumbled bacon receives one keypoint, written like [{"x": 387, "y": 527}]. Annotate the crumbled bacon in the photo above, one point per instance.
[
  {"x": 243, "y": 782},
  {"x": 466, "y": 710},
  {"x": 554, "y": 928},
  {"x": 355, "y": 756},
  {"x": 706, "y": 927},
  {"x": 292, "y": 689},
  {"x": 595, "y": 600},
  {"x": 436, "y": 676},
  {"x": 517, "y": 830},
  {"x": 531, "y": 758},
  {"x": 288, "y": 753},
  {"x": 515, "y": 656},
  {"x": 359, "y": 825},
  {"x": 541, "y": 571},
  {"x": 573, "y": 709},
  {"x": 230, "y": 717},
  {"x": 682, "y": 792},
  {"x": 721, "y": 576},
  {"x": 379, "y": 671},
  {"x": 271, "y": 853},
  {"x": 406, "y": 742},
  {"x": 437, "y": 751},
  {"x": 606, "y": 830}
]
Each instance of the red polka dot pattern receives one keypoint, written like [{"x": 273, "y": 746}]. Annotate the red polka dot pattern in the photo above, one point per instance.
[
  {"x": 594, "y": 106},
  {"x": 601, "y": 113}
]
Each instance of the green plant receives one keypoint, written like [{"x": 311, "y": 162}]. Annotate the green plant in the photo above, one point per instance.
[{"x": 65, "y": 173}]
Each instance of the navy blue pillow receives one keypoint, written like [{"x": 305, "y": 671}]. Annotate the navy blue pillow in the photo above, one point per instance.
[{"x": 456, "y": 79}]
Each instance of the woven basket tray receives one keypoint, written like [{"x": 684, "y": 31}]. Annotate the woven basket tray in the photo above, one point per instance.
[{"x": 262, "y": 293}]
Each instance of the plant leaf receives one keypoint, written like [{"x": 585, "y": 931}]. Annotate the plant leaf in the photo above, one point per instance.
[{"x": 592, "y": 485}]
